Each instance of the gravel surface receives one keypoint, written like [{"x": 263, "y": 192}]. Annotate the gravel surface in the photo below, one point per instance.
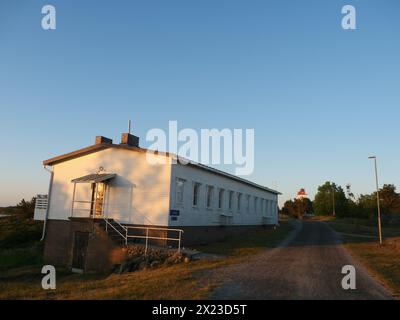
[{"x": 306, "y": 266}]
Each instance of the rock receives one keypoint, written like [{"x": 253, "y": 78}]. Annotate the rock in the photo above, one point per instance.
[
  {"x": 115, "y": 268},
  {"x": 155, "y": 264},
  {"x": 174, "y": 258},
  {"x": 124, "y": 267},
  {"x": 137, "y": 260},
  {"x": 142, "y": 265},
  {"x": 118, "y": 269}
]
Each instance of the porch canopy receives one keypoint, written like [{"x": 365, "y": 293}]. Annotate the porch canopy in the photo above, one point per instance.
[
  {"x": 95, "y": 178},
  {"x": 99, "y": 188}
]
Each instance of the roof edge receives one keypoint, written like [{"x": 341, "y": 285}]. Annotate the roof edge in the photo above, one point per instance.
[
  {"x": 76, "y": 154},
  {"x": 233, "y": 177},
  {"x": 102, "y": 146}
]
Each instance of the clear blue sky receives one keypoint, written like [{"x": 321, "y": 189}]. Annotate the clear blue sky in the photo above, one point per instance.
[{"x": 321, "y": 99}]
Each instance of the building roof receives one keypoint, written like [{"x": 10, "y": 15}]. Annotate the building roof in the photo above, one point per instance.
[
  {"x": 95, "y": 178},
  {"x": 103, "y": 146},
  {"x": 302, "y": 192}
]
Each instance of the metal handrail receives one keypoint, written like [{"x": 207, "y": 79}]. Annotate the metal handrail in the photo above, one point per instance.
[
  {"x": 122, "y": 226},
  {"x": 146, "y": 237},
  {"x": 111, "y": 225},
  {"x": 153, "y": 238},
  {"x": 151, "y": 228}
]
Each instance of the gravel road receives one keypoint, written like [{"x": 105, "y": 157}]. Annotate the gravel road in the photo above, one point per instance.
[{"x": 306, "y": 266}]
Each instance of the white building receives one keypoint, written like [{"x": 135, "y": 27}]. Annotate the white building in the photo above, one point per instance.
[{"x": 116, "y": 185}]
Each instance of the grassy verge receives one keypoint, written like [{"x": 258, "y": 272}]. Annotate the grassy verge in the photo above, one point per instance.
[
  {"x": 175, "y": 282},
  {"x": 182, "y": 281},
  {"x": 383, "y": 261},
  {"x": 251, "y": 243}
]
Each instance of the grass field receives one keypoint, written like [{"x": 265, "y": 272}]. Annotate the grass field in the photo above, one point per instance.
[
  {"x": 383, "y": 261},
  {"x": 181, "y": 281}
]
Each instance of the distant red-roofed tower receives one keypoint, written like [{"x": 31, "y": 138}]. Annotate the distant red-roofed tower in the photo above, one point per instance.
[{"x": 302, "y": 194}]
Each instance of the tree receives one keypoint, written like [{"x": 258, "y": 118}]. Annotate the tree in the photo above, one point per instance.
[
  {"x": 26, "y": 208},
  {"x": 365, "y": 206},
  {"x": 328, "y": 194},
  {"x": 390, "y": 199},
  {"x": 288, "y": 208},
  {"x": 304, "y": 206},
  {"x": 297, "y": 207}
]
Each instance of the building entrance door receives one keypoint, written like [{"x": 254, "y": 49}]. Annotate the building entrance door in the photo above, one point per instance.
[
  {"x": 98, "y": 194},
  {"x": 81, "y": 240}
]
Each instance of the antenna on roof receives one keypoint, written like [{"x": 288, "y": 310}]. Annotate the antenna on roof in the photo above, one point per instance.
[{"x": 129, "y": 127}]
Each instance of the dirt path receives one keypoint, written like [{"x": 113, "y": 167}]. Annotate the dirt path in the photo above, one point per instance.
[{"x": 307, "y": 266}]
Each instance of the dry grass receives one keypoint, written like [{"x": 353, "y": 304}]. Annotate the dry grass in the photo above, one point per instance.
[
  {"x": 383, "y": 261},
  {"x": 363, "y": 227},
  {"x": 177, "y": 282},
  {"x": 250, "y": 243}
]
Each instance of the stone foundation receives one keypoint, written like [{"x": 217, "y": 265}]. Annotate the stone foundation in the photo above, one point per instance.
[{"x": 101, "y": 254}]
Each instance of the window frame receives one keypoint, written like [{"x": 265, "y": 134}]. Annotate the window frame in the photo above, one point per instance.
[
  {"x": 230, "y": 200},
  {"x": 196, "y": 184},
  {"x": 179, "y": 205},
  {"x": 248, "y": 200},
  {"x": 209, "y": 193},
  {"x": 221, "y": 196},
  {"x": 239, "y": 202}
]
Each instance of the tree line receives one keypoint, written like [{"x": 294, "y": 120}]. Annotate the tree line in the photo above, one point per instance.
[
  {"x": 332, "y": 199},
  {"x": 23, "y": 208}
]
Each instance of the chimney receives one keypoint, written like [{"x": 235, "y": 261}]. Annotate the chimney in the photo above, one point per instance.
[
  {"x": 101, "y": 140},
  {"x": 130, "y": 140}
]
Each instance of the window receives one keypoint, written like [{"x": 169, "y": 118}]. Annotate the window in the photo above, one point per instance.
[
  {"x": 179, "y": 188},
  {"x": 230, "y": 200},
  {"x": 274, "y": 207},
  {"x": 248, "y": 203},
  {"x": 255, "y": 204},
  {"x": 239, "y": 202},
  {"x": 210, "y": 191},
  {"x": 221, "y": 198},
  {"x": 269, "y": 207},
  {"x": 196, "y": 193},
  {"x": 262, "y": 206}
]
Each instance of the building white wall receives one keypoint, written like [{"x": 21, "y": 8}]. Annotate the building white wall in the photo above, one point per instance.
[
  {"x": 144, "y": 193},
  {"x": 203, "y": 216},
  {"x": 138, "y": 195}
]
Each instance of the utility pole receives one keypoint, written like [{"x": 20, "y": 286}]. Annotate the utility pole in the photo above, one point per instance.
[
  {"x": 377, "y": 199},
  {"x": 333, "y": 201}
]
